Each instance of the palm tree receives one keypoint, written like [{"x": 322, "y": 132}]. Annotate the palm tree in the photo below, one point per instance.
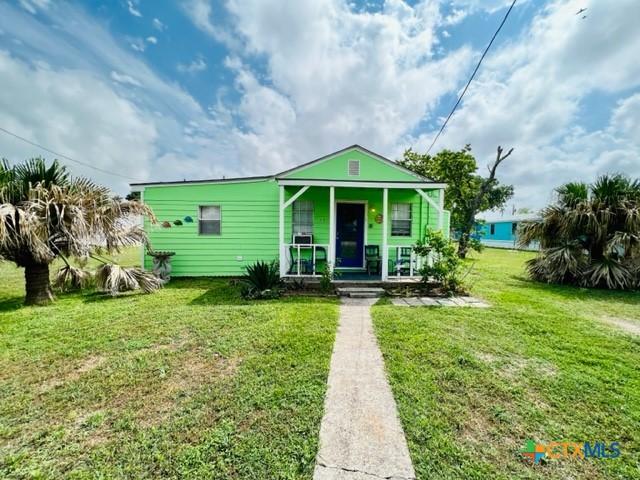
[
  {"x": 590, "y": 236},
  {"x": 46, "y": 214}
]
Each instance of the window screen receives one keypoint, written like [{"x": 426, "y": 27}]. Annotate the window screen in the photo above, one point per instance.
[
  {"x": 209, "y": 220},
  {"x": 514, "y": 228},
  {"x": 401, "y": 220},
  {"x": 302, "y": 221},
  {"x": 492, "y": 229},
  {"x": 354, "y": 168}
]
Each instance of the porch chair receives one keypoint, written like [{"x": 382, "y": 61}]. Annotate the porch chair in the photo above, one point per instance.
[
  {"x": 402, "y": 264},
  {"x": 321, "y": 258},
  {"x": 306, "y": 264},
  {"x": 372, "y": 259}
]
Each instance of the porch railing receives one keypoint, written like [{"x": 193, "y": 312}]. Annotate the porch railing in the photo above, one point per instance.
[
  {"x": 306, "y": 258},
  {"x": 404, "y": 262}
]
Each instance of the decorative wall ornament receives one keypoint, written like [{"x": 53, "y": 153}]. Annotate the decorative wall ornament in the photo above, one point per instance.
[
  {"x": 379, "y": 218},
  {"x": 166, "y": 224},
  {"x": 177, "y": 222},
  {"x": 188, "y": 219}
]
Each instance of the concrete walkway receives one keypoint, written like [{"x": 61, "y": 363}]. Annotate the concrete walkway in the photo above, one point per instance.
[{"x": 360, "y": 436}]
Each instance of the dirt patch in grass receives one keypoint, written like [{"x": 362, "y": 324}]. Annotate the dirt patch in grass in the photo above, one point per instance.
[
  {"x": 512, "y": 366},
  {"x": 629, "y": 326},
  {"x": 193, "y": 372},
  {"x": 85, "y": 366}
]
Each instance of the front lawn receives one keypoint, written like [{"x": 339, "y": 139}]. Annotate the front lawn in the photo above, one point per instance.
[
  {"x": 544, "y": 362},
  {"x": 190, "y": 382}
]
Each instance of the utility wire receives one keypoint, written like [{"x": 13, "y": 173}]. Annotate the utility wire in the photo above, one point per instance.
[
  {"x": 65, "y": 156},
  {"x": 472, "y": 76}
]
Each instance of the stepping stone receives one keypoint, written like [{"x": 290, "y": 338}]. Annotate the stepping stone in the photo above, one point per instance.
[
  {"x": 429, "y": 301},
  {"x": 458, "y": 301},
  {"x": 446, "y": 302},
  {"x": 414, "y": 302}
]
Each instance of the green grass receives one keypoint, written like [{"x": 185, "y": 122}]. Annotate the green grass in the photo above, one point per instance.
[
  {"x": 473, "y": 384},
  {"x": 189, "y": 382}
]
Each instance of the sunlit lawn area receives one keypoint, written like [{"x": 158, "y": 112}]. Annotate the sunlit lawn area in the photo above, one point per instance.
[
  {"x": 190, "y": 382},
  {"x": 544, "y": 363}
]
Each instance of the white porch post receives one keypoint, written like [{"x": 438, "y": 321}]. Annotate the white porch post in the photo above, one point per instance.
[
  {"x": 332, "y": 226},
  {"x": 283, "y": 267},
  {"x": 441, "y": 209},
  {"x": 385, "y": 250}
]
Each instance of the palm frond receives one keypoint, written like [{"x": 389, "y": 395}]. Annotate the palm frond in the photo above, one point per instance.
[
  {"x": 114, "y": 279},
  {"x": 72, "y": 278},
  {"x": 610, "y": 273}
]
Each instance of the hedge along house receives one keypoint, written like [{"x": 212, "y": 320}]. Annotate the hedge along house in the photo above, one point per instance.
[{"x": 352, "y": 209}]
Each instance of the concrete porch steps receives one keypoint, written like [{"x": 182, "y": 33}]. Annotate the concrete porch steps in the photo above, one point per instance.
[{"x": 361, "y": 292}]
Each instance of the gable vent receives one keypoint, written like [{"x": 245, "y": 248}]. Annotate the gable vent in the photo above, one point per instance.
[{"x": 354, "y": 168}]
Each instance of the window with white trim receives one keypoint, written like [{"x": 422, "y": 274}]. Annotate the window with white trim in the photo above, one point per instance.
[
  {"x": 209, "y": 220},
  {"x": 302, "y": 221},
  {"x": 354, "y": 168},
  {"x": 401, "y": 220}
]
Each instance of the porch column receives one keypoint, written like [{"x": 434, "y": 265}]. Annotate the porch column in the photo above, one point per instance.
[
  {"x": 441, "y": 209},
  {"x": 282, "y": 255},
  {"x": 385, "y": 249},
  {"x": 332, "y": 226}
]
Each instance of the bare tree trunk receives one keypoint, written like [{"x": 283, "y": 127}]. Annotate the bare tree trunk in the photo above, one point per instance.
[
  {"x": 463, "y": 244},
  {"x": 37, "y": 285}
]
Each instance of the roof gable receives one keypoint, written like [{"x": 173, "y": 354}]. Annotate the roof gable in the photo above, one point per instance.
[{"x": 344, "y": 164}]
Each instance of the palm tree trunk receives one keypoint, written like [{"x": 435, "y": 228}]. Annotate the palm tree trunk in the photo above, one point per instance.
[{"x": 37, "y": 285}]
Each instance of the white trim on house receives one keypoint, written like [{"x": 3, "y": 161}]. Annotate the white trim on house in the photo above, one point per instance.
[
  {"x": 296, "y": 196},
  {"x": 143, "y": 247},
  {"x": 438, "y": 206},
  {"x": 283, "y": 266},
  {"x": 385, "y": 232},
  {"x": 357, "y": 184}
]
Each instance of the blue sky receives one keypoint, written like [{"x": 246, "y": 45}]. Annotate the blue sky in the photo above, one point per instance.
[{"x": 160, "y": 90}]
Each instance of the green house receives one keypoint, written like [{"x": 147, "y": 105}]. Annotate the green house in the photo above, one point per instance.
[{"x": 352, "y": 209}]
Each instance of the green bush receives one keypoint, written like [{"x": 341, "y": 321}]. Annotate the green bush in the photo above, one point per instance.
[
  {"x": 262, "y": 281},
  {"x": 445, "y": 265}
]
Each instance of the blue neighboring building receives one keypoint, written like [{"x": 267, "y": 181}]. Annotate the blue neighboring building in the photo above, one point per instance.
[{"x": 502, "y": 232}]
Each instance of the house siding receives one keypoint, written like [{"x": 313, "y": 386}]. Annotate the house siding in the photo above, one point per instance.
[{"x": 249, "y": 222}]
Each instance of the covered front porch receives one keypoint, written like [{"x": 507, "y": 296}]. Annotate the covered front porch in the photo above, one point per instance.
[{"x": 364, "y": 230}]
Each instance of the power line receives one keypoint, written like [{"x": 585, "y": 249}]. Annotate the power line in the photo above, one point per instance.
[
  {"x": 472, "y": 76},
  {"x": 65, "y": 156}
]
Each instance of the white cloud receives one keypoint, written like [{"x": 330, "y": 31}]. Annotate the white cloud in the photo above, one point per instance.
[
  {"x": 158, "y": 25},
  {"x": 530, "y": 95},
  {"x": 124, "y": 79},
  {"x": 336, "y": 77},
  {"x": 89, "y": 104},
  {"x": 137, "y": 44},
  {"x": 196, "y": 65},
  {"x": 133, "y": 10},
  {"x": 32, "y": 6},
  {"x": 77, "y": 115},
  {"x": 152, "y": 40},
  {"x": 201, "y": 14}
]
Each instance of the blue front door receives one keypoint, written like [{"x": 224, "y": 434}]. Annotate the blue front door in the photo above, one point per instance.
[{"x": 349, "y": 234}]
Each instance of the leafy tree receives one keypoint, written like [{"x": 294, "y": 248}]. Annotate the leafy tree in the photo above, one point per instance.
[
  {"x": 46, "y": 214},
  {"x": 590, "y": 236},
  {"x": 467, "y": 192}
]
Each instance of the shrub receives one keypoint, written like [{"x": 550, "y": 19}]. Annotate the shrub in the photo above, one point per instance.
[
  {"x": 328, "y": 275},
  {"x": 262, "y": 281},
  {"x": 444, "y": 266},
  {"x": 590, "y": 236}
]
